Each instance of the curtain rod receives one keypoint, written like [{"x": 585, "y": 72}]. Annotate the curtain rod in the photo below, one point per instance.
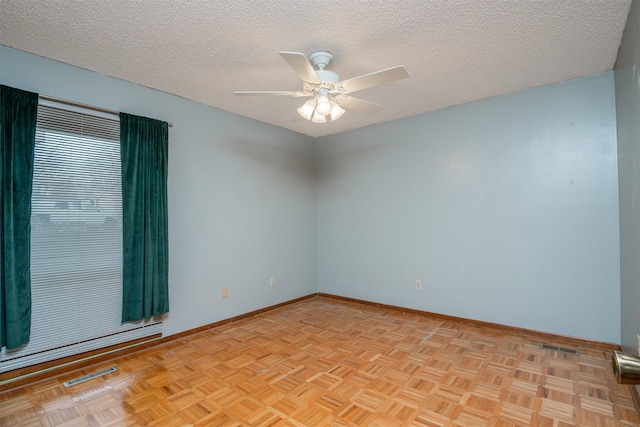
[{"x": 77, "y": 104}]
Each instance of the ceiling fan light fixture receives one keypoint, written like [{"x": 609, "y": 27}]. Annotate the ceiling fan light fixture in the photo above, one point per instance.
[
  {"x": 318, "y": 118},
  {"x": 323, "y": 106},
  {"x": 336, "y": 111},
  {"x": 307, "y": 110}
]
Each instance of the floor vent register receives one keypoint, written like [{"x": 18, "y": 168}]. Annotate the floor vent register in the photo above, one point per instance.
[
  {"x": 560, "y": 349},
  {"x": 90, "y": 376}
]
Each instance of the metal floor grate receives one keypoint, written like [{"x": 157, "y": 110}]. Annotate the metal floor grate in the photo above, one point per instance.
[
  {"x": 90, "y": 376},
  {"x": 560, "y": 349}
]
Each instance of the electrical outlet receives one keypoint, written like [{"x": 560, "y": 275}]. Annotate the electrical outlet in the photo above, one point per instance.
[
  {"x": 272, "y": 282},
  {"x": 638, "y": 347},
  {"x": 419, "y": 285},
  {"x": 225, "y": 292}
]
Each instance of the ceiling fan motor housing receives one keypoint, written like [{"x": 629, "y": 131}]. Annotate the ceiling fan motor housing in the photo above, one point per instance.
[
  {"x": 320, "y": 60},
  {"x": 328, "y": 76}
]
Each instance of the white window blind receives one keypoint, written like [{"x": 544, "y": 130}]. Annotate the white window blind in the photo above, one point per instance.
[{"x": 76, "y": 240}]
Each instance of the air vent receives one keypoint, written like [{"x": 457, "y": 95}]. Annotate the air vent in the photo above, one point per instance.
[
  {"x": 90, "y": 376},
  {"x": 560, "y": 349}
]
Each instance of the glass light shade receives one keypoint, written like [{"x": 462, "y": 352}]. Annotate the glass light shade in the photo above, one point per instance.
[
  {"x": 336, "y": 111},
  {"x": 323, "y": 106},
  {"x": 306, "y": 110},
  {"x": 318, "y": 118}
]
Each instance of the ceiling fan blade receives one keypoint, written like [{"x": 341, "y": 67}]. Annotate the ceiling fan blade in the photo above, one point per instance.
[
  {"x": 374, "y": 79},
  {"x": 301, "y": 65},
  {"x": 358, "y": 105},
  {"x": 296, "y": 94}
]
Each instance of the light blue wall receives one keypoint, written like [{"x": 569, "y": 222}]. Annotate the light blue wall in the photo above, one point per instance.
[
  {"x": 627, "y": 81},
  {"x": 241, "y": 194},
  {"x": 506, "y": 209}
]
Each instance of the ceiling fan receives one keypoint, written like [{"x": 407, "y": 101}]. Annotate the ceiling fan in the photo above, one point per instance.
[{"x": 330, "y": 95}]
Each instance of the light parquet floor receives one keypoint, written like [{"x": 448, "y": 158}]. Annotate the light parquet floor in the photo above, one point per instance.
[{"x": 324, "y": 362}]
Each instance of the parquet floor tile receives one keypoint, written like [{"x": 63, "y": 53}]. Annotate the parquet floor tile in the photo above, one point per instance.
[{"x": 325, "y": 362}]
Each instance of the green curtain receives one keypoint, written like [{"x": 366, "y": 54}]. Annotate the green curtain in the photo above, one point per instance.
[
  {"x": 18, "y": 111},
  {"x": 144, "y": 152}
]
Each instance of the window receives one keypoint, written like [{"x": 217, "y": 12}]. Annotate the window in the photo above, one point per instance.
[{"x": 76, "y": 239}]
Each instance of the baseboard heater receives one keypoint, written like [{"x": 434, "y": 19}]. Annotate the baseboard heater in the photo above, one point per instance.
[{"x": 15, "y": 359}]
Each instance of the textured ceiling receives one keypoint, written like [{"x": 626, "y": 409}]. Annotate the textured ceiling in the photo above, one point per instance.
[{"x": 455, "y": 51}]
